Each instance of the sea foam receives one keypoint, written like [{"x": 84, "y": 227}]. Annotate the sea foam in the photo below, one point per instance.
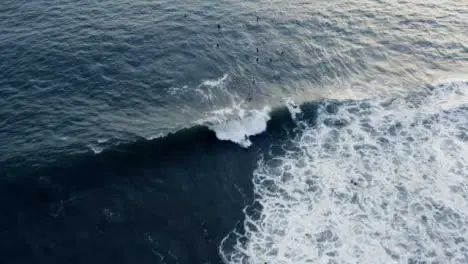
[
  {"x": 237, "y": 125},
  {"x": 373, "y": 181}
]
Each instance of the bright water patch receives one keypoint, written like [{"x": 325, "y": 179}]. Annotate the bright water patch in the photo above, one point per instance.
[
  {"x": 207, "y": 87},
  {"x": 373, "y": 181},
  {"x": 237, "y": 124}
]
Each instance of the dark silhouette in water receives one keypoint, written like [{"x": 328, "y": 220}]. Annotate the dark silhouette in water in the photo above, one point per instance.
[
  {"x": 282, "y": 52},
  {"x": 249, "y": 97},
  {"x": 219, "y": 26},
  {"x": 257, "y": 50},
  {"x": 256, "y": 59},
  {"x": 217, "y": 45},
  {"x": 185, "y": 15},
  {"x": 205, "y": 232}
]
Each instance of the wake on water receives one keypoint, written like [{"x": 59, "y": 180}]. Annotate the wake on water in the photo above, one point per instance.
[{"x": 372, "y": 181}]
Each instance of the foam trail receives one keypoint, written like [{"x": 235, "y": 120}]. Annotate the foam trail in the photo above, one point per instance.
[
  {"x": 237, "y": 125},
  {"x": 215, "y": 83},
  {"x": 206, "y": 88},
  {"x": 373, "y": 181}
]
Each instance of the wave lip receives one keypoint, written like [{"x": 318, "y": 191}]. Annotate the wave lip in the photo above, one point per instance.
[{"x": 237, "y": 125}]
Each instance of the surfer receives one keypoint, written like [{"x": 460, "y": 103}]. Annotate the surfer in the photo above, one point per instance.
[{"x": 249, "y": 97}]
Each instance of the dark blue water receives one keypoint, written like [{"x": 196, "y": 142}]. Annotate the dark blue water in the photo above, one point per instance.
[{"x": 136, "y": 131}]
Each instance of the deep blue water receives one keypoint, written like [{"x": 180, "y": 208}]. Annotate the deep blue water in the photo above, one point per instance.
[{"x": 147, "y": 131}]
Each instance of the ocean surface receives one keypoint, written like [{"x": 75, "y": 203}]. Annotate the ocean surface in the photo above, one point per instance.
[{"x": 234, "y": 132}]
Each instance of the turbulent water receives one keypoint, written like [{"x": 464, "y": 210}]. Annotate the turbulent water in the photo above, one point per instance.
[{"x": 246, "y": 132}]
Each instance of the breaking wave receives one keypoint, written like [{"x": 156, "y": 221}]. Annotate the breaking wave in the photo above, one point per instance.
[{"x": 372, "y": 181}]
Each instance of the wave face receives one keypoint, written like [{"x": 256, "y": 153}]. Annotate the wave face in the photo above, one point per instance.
[
  {"x": 82, "y": 73},
  {"x": 372, "y": 181},
  {"x": 138, "y": 131}
]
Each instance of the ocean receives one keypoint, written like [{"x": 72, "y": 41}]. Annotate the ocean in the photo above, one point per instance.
[{"x": 234, "y": 132}]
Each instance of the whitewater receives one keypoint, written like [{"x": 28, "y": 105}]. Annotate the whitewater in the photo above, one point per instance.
[{"x": 379, "y": 180}]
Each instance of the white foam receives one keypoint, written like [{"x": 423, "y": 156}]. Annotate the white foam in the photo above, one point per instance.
[
  {"x": 102, "y": 140},
  {"x": 177, "y": 90},
  {"x": 388, "y": 183},
  {"x": 293, "y": 108},
  {"x": 215, "y": 83},
  {"x": 99, "y": 145},
  {"x": 95, "y": 148},
  {"x": 237, "y": 124},
  {"x": 155, "y": 136},
  {"x": 209, "y": 88}
]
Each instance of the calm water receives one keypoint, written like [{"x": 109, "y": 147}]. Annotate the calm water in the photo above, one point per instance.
[{"x": 234, "y": 131}]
